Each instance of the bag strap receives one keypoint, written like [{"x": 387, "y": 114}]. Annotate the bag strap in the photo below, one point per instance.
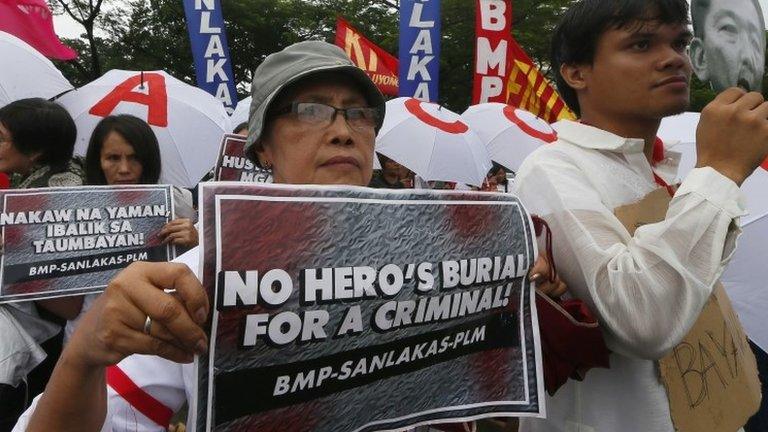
[{"x": 541, "y": 226}]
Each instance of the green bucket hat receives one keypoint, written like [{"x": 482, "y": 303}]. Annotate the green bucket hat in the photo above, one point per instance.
[{"x": 294, "y": 63}]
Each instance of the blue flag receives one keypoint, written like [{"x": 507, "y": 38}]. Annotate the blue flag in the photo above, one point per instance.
[
  {"x": 210, "y": 50},
  {"x": 419, "y": 49}
]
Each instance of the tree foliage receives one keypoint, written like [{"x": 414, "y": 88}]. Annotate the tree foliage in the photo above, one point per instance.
[
  {"x": 532, "y": 24},
  {"x": 86, "y": 13},
  {"x": 152, "y": 34}
]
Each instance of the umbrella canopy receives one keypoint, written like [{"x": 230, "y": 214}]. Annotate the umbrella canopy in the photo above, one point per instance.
[
  {"x": 679, "y": 135},
  {"x": 683, "y": 128},
  {"x": 680, "y": 128},
  {"x": 242, "y": 110},
  {"x": 433, "y": 142},
  {"x": 510, "y": 134},
  {"x": 187, "y": 121},
  {"x": 744, "y": 278},
  {"x": 26, "y": 73}
]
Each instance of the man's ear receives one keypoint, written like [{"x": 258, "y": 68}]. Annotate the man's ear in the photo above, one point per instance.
[
  {"x": 699, "y": 59},
  {"x": 574, "y": 76}
]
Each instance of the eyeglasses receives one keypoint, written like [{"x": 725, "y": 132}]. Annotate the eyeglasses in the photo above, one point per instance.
[{"x": 359, "y": 118}]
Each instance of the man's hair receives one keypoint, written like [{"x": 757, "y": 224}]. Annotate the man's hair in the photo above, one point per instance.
[
  {"x": 138, "y": 134},
  {"x": 700, "y": 9},
  {"x": 40, "y": 126},
  {"x": 241, "y": 126},
  {"x": 382, "y": 159},
  {"x": 576, "y": 36},
  {"x": 496, "y": 168}
]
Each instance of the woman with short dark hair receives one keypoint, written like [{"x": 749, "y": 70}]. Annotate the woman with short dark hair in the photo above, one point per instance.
[
  {"x": 123, "y": 150},
  {"x": 137, "y": 134},
  {"x": 37, "y": 138}
]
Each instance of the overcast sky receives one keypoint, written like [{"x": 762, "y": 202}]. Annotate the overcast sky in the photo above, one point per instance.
[{"x": 67, "y": 27}]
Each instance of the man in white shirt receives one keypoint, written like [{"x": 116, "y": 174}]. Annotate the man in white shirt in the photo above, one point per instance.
[{"x": 622, "y": 66}]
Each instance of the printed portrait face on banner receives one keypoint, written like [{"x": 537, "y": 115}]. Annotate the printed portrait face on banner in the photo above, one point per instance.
[{"x": 729, "y": 45}]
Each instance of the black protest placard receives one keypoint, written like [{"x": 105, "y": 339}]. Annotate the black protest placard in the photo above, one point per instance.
[
  {"x": 234, "y": 165},
  {"x": 352, "y": 309},
  {"x": 71, "y": 241}
]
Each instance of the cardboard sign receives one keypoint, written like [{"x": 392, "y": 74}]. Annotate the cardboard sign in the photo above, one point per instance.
[
  {"x": 72, "y": 241},
  {"x": 351, "y": 309},
  {"x": 711, "y": 375},
  {"x": 651, "y": 209},
  {"x": 234, "y": 165}
]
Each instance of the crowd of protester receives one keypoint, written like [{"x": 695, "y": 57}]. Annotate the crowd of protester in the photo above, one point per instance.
[{"x": 311, "y": 105}]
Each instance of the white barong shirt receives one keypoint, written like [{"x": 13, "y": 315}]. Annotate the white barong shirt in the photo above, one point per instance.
[{"x": 648, "y": 289}]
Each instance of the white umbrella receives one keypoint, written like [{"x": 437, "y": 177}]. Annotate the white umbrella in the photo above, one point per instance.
[
  {"x": 510, "y": 134},
  {"x": 433, "y": 142},
  {"x": 679, "y": 135},
  {"x": 744, "y": 278},
  {"x": 26, "y": 73},
  {"x": 187, "y": 121},
  {"x": 681, "y": 127},
  {"x": 242, "y": 110}
]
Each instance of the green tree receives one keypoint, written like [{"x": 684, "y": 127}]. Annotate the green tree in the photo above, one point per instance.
[
  {"x": 149, "y": 35},
  {"x": 86, "y": 13},
  {"x": 257, "y": 28},
  {"x": 532, "y": 25},
  {"x": 701, "y": 94},
  {"x": 152, "y": 34}
]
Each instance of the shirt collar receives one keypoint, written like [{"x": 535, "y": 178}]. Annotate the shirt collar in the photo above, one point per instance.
[
  {"x": 665, "y": 164},
  {"x": 590, "y": 137}
]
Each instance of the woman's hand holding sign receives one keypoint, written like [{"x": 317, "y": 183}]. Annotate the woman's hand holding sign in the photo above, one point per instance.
[
  {"x": 180, "y": 232},
  {"x": 541, "y": 273},
  {"x": 135, "y": 315},
  {"x": 118, "y": 324}
]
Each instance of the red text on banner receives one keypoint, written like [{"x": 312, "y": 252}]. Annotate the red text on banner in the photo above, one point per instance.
[{"x": 380, "y": 65}]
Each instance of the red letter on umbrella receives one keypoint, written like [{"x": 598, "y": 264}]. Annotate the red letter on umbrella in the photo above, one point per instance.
[{"x": 156, "y": 98}]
